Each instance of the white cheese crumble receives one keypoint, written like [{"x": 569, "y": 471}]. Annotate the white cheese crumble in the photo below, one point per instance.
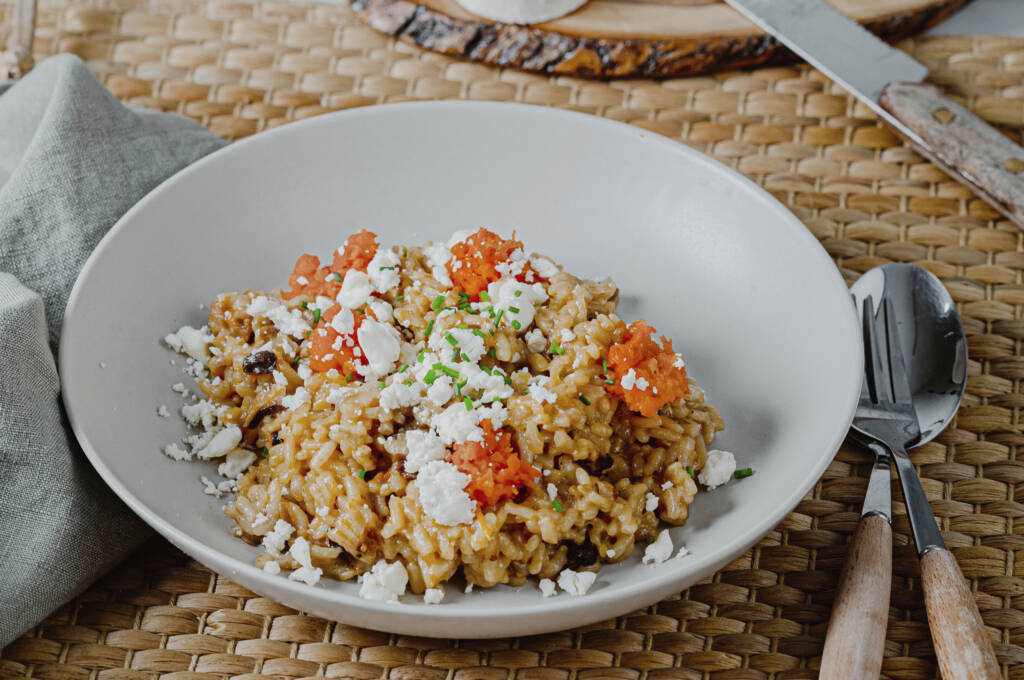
[
  {"x": 547, "y": 587},
  {"x": 162, "y": 411},
  {"x": 433, "y": 596},
  {"x": 382, "y": 310},
  {"x": 271, "y": 567},
  {"x": 544, "y": 267},
  {"x": 628, "y": 381},
  {"x": 503, "y": 297},
  {"x": 441, "y": 490},
  {"x": 683, "y": 552},
  {"x": 566, "y": 335},
  {"x": 650, "y": 502},
  {"x": 535, "y": 341},
  {"x": 382, "y": 346},
  {"x": 175, "y": 452},
  {"x": 718, "y": 469},
  {"x": 355, "y": 289},
  {"x": 679, "y": 363},
  {"x": 660, "y": 550},
  {"x": 279, "y": 379},
  {"x": 294, "y": 401},
  {"x": 275, "y": 540},
  {"x": 288, "y": 321},
  {"x": 384, "y": 583},
  {"x": 344, "y": 322},
  {"x": 225, "y": 440},
  {"x": 304, "y": 371},
  {"x": 666, "y": 485},
  {"x": 201, "y": 413},
  {"x": 180, "y": 389},
  {"x": 190, "y": 341},
  {"x": 538, "y": 389},
  {"x": 441, "y": 391},
  {"x": 236, "y": 462},
  {"x": 437, "y": 256},
  {"x": 423, "y": 447},
  {"x": 306, "y": 572},
  {"x": 576, "y": 583},
  {"x": 456, "y": 425},
  {"x": 383, "y": 270}
]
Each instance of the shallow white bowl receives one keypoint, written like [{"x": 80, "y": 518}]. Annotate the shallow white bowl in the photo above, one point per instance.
[{"x": 752, "y": 301}]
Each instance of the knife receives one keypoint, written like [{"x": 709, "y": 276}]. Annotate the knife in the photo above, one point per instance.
[{"x": 892, "y": 84}]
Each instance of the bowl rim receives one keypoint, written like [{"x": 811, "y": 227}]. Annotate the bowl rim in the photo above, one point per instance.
[{"x": 659, "y": 579}]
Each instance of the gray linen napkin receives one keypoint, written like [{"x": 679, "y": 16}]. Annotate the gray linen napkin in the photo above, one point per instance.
[{"x": 72, "y": 160}]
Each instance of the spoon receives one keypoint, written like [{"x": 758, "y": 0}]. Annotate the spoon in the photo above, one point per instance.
[{"x": 915, "y": 313}]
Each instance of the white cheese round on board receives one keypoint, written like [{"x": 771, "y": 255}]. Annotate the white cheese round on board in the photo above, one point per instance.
[{"x": 522, "y": 11}]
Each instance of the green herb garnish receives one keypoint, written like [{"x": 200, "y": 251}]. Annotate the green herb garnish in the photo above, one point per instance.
[
  {"x": 295, "y": 361},
  {"x": 516, "y": 324},
  {"x": 609, "y": 382},
  {"x": 743, "y": 473},
  {"x": 514, "y": 310},
  {"x": 304, "y": 305},
  {"x": 556, "y": 505},
  {"x": 399, "y": 298},
  {"x": 450, "y": 372},
  {"x": 438, "y": 303},
  {"x": 604, "y": 367},
  {"x": 584, "y": 400},
  {"x": 316, "y": 316},
  {"x": 335, "y": 276},
  {"x": 381, "y": 384},
  {"x": 430, "y": 327},
  {"x": 404, "y": 368},
  {"x": 362, "y": 474},
  {"x": 492, "y": 353},
  {"x": 348, "y": 378},
  {"x": 430, "y": 377},
  {"x": 518, "y": 293},
  {"x": 468, "y": 402},
  {"x": 689, "y": 471},
  {"x": 451, "y": 339},
  {"x": 485, "y": 296},
  {"x": 555, "y": 348},
  {"x": 265, "y": 450}
]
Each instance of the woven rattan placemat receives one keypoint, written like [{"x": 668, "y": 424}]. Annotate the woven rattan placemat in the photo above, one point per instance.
[{"x": 241, "y": 67}]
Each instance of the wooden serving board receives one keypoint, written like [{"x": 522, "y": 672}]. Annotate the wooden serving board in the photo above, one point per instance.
[{"x": 627, "y": 38}]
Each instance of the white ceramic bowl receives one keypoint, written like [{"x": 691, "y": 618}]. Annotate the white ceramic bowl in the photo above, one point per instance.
[{"x": 749, "y": 296}]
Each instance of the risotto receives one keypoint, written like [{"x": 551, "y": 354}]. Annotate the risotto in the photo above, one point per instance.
[{"x": 408, "y": 415}]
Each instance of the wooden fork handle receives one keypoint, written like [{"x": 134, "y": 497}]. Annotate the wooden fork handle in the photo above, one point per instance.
[
  {"x": 856, "y": 631},
  {"x": 961, "y": 643}
]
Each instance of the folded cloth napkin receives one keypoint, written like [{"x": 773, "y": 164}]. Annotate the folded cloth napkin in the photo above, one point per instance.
[{"x": 72, "y": 160}]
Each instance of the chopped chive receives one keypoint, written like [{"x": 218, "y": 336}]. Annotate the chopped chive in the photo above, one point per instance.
[
  {"x": 335, "y": 276},
  {"x": 450, "y": 372},
  {"x": 295, "y": 361},
  {"x": 430, "y": 377},
  {"x": 492, "y": 331},
  {"x": 555, "y": 348},
  {"x": 308, "y": 333},
  {"x": 430, "y": 327},
  {"x": 462, "y": 294},
  {"x": 609, "y": 382},
  {"x": 265, "y": 450},
  {"x": 556, "y": 505},
  {"x": 742, "y": 473},
  {"x": 689, "y": 471},
  {"x": 383, "y": 268},
  {"x": 508, "y": 380},
  {"x": 348, "y": 378},
  {"x": 399, "y": 298},
  {"x": 480, "y": 333},
  {"x": 438, "y": 303},
  {"x": 409, "y": 381},
  {"x": 497, "y": 319},
  {"x": 381, "y": 384},
  {"x": 464, "y": 326},
  {"x": 316, "y": 316},
  {"x": 456, "y": 356},
  {"x": 584, "y": 400},
  {"x": 516, "y": 324},
  {"x": 304, "y": 305},
  {"x": 362, "y": 474},
  {"x": 468, "y": 402},
  {"x": 514, "y": 310},
  {"x": 518, "y": 293},
  {"x": 438, "y": 366},
  {"x": 422, "y": 355},
  {"x": 451, "y": 339},
  {"x": 404, "y": 368},
  {"x": 604, "y": 366},
  {"x": 458, "y": 389},
  {"x": 485, "y": 296},
  {"x": 486, "y": 370}
]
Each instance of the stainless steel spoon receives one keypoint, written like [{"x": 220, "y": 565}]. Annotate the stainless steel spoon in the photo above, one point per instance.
[{"x": 917, "y": 371}]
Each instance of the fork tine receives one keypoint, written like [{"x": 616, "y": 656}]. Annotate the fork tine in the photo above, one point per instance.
[
  {"x": 898, "y": 369},
  {"x": 881, "y": 386}
]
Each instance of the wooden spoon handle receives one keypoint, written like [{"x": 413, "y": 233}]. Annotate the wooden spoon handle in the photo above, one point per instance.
[
  {"x": 856, "y": 631},
  {"x": 961, "y": 643}
]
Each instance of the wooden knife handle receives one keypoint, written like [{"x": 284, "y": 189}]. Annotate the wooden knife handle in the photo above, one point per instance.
[
  {"x": 856, "y": 631},
  {"x": 965, "y": 146},
  {"x": 961, "y": 643}
]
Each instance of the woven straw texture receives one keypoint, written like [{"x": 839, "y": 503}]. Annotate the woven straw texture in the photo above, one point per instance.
[{"x": 240, "y": 67}]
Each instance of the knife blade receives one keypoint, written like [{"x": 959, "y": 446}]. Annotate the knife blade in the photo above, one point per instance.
[{"x": 891, "y": 83}]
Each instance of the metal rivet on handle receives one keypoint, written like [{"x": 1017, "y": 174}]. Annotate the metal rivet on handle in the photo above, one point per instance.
[
  {"x": 1014, "y": 165},
  {"x": 944, "y": 116}
]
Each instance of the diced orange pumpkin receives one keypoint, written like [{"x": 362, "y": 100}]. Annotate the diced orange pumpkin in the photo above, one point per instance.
[
  {"x": 322, "y": 353},
  {"x": 357, "y": 252},
  {"x": 656, "y": 365},
  {"x": 496, "y": 472},
  {"x": 474, "y": 262}
]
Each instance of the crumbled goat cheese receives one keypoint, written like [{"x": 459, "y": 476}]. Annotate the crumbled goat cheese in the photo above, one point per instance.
[
  {"x": 399, "y": 395},
  {"x": 610, "y": 553},
  {"x": 288, "y": 321},
  {"x": 470, "y": 345},
  {"x": 456, "y": 425},
  {"x": 103, "y": 364},
  {"x": 567, "y": 335},
  {"x": 293, "y": 401},
  {"x": 302, "y": 281},
  {"x": 576, "y": 583},
  {"x": 236, "y": 462},
  {"x": 433, "y": 596},
  {"x": 503, "y": 297},
  {"x": 544, "y": 267},
  {"x": 683, "y": 552},
  {"x": 384, "y": 583},
  {"x": 275, "y": 540},
  {"x": 383, "y": 270},
  {"x": 344, "y": 322},
  {"x": 175, "y": 452},
  {"x": 718, "y": 469},
  {"x": 538, "y": 389},
  {"x": 304, "y": 371},
  {"x": 279, "y": 379},
  {"x": 209, "y": 488},
  {"x": 382, "y": 345},
  {"x": 441, "y": 490},
  {"x": 225, "y": 440},
  {"x": 641, "y": 383},
  {"x": 355, "y": 289},
  {"x": 423, "y": 447},
  {"x": 337, "y": 394},
  {"x": 437, "y": 256},
  {"x": 180, "y": 389},
  {"x": 382, "y": 310},
  {"x": 679, "y": 363},
  {"x": 190, "y": 341},
  {"x": 306, "y": 572},
  {"x": 660, "y": 550},
  {"x": 666, "y": 485},
  {"x": 271, "y": 567},
  {"x": 441, "y": 391},
  {"x": 629, "y": 380},
  {"x": 552, "y": 491},
  {"x": 514, "y": 265},
  {"x": 535, "y": 341},
  {"x": 201, "y": 413},
  {"x": 650, "y": 502},
  {"x": 469, "y": 588},
  {"x": 162, "y": 411},
  {"x": 547, "y": 587}
]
